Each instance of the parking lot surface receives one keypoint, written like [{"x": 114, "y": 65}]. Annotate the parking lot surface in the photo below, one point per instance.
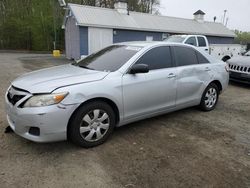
[{"x": 188, "y": 148}]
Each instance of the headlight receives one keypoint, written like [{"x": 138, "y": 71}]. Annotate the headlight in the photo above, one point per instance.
[{"x": 45, "y": 100}]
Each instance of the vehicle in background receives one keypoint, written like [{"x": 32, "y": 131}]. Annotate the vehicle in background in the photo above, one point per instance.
[
  {"x": 247, "y": 53},
  {"x": 240, "y": 68},
  {"x": 120, "y": 84},
  {"x": 223, "y": 52}
]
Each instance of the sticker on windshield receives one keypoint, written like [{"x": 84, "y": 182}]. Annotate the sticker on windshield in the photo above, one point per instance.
[{"x": 133, "y": 48}]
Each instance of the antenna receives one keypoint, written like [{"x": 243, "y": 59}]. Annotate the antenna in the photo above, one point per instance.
[{"x": 62, "y": 3}]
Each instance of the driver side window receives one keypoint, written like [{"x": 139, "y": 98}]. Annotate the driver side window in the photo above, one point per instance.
[{"x": 157, "y": 58}]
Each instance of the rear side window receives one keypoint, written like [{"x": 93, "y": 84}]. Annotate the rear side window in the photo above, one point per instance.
[
  {"x": 157, "y": 58},
  {"x": 185, "y": 56},
  {"x": 191, "y": 41},
  {"x": 201, "y": 58},
  {"x": 202, "y": 42}
]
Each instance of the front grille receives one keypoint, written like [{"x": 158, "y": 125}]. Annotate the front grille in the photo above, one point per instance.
[
  {"x": 239, "y": 68},
  {"x": 14, "y": 95}
]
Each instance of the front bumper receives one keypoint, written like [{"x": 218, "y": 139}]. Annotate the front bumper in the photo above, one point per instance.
[
  {"x": 240, "y": 77},
  {"x": 51, "y": 121}
]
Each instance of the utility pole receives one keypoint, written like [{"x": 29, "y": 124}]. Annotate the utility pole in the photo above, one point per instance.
[
  {"x": 54, "y": 24},
  {"x": 225, "y": 12},
  {"x": 151, "y": 7}
]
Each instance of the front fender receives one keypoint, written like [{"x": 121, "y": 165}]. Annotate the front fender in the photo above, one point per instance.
[{"x": 108, "y": 88}]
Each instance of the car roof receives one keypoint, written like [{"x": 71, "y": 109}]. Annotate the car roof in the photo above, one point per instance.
[
  {"x": 150, "y": 43},
  {"x": 187, "y": 36}
]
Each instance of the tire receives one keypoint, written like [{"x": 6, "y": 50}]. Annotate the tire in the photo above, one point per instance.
[
  {"x": 96, "y": 120},
  {"x": 209, "y": 98},
  {"x": 226, "y": 58}
]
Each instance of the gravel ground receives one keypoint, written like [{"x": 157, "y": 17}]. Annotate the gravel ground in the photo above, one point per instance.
[{"x": 188, "y": 148}]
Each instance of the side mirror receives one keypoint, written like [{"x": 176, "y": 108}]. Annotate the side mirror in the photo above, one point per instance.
[{"x": 139, "y": 68}]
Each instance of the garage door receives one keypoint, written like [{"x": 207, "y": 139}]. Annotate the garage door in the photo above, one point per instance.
[{"x": 99, "y": 38}]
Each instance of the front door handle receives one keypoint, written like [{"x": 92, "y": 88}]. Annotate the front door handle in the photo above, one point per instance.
[{"x": 171, "y": 75}]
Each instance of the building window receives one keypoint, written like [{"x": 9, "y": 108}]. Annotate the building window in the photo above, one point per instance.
[{"x": 149, "y": 38}]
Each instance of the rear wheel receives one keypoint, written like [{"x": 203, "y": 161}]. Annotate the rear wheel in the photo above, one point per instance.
[
  {"x": 92, "y": 124},
  {"x": 210, "y": 97}
]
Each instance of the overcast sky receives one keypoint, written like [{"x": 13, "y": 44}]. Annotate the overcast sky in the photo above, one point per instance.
[{"x": 238, "y": 10}]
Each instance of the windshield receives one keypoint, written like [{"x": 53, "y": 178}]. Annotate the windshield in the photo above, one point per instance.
[
  {"x": 176, "y": 38},
  {"x": 109, "y": 59}
]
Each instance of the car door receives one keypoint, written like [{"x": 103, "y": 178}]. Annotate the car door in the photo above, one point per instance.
[
  {"x": 153, "y": 91},
  {"x": 192, "y": 76}
]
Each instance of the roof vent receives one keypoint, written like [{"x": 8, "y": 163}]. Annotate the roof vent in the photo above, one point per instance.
[
  {"x": 199, "y": 16},
  {"x": 121, "y": 6}
]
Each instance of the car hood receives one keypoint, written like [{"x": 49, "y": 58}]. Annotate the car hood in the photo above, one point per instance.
[
  {"x": 47, "y": 80},
  {"x": 241, "y": 61}
]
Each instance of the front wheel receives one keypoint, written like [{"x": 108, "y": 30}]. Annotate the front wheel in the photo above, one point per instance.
[
  {"x": 92, "y": 124},
  {"x": 209, "y": 98}
]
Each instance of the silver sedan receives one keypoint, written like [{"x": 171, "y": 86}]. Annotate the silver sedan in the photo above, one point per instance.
[{"x": 120, "y": 84}]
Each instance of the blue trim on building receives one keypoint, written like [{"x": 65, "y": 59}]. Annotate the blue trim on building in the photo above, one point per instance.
[
  {"x": 120, "y": 35},
  {"x": 220, "y": 40},
  {"x": 84, "y": 44},
  {"x": 130, "y": 35}
]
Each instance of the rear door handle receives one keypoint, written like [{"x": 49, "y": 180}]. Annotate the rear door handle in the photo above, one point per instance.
[
  {"x": 207, "y": 69},
  {"x": 206, "y": 49},
  {"x": 171, "y": 75}
]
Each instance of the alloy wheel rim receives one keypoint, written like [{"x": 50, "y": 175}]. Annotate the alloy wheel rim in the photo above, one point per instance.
[
  {"x": 211, "y": 98},
  {"x": 94, "y": 125}
]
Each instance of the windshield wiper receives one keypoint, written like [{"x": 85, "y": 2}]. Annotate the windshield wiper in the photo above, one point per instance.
[{"x": 82, "y": 66}]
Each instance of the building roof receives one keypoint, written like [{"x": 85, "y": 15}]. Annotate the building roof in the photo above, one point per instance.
[
  {"x": 111, "y": 18},
  {"x": 199, "y": 12}
]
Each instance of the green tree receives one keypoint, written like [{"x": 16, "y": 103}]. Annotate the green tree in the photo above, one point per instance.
[
  {"x": 242, "y": 37},
  {"x": 36, "y": 24}
]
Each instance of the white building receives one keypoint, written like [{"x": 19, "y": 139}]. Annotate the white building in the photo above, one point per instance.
[{"x": 88, "y": 29}]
